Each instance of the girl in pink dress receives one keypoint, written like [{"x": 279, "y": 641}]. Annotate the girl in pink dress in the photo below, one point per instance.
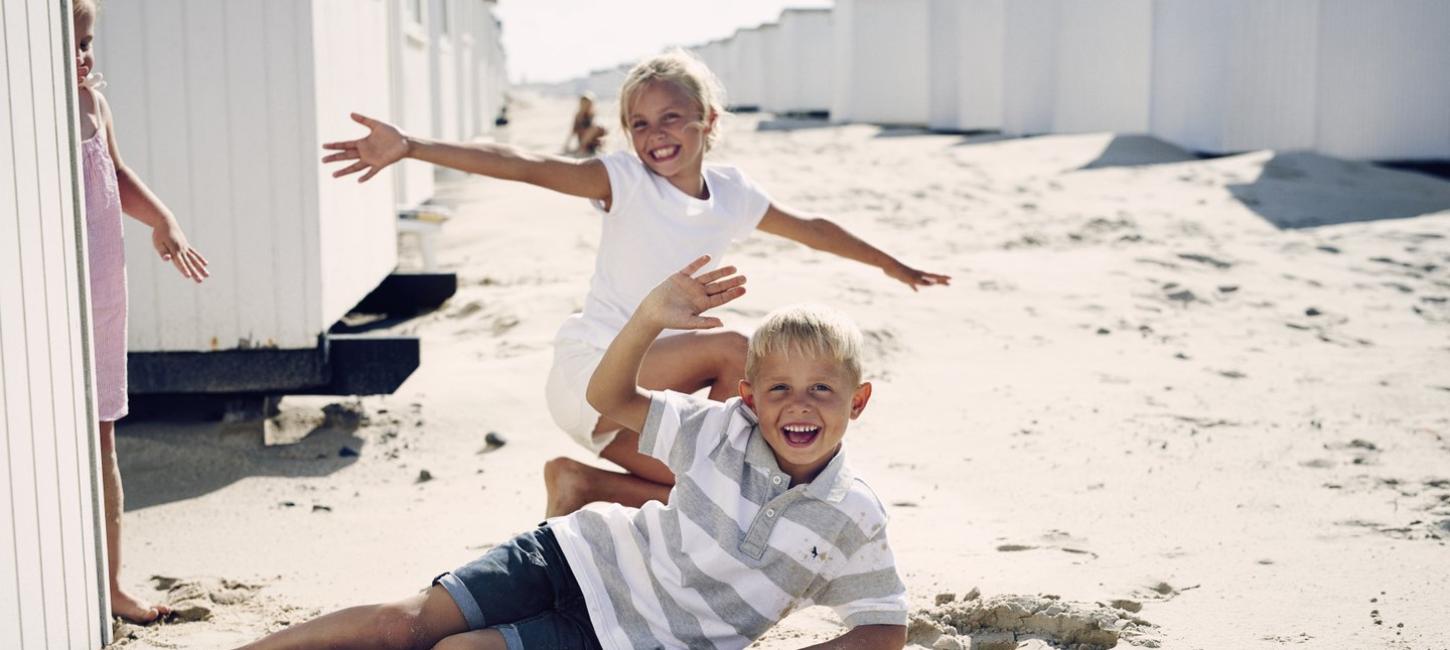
[{"x": 112, "y": 188}]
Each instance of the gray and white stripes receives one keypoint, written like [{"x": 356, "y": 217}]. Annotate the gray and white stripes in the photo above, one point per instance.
[{"x": 737, "y": 548}]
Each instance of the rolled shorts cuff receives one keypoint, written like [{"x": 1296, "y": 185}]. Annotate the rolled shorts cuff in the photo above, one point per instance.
[
  {"x": 511, "y": 637},
  {"x": 472, "y": 613}
]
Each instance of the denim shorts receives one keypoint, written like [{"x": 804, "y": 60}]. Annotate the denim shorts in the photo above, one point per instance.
[{"x": 525, "y": 589}]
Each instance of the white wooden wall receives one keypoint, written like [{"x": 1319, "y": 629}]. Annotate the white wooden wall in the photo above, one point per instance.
[
  {"x": 772, "y": 59},
  {"x": 221, "y": 106},
  {"x": 982, "y": 48},
  {"x": 1384, "y": 79},
  {"x": 444, "y": 31},
  {"x": 885, "y": 78},
  {"x": 747, "y": 69},
  {"x": 1235, "y": 75},
  {"x": 1104, "y": 64},
  {"x": 804, "y": 82},
  {"x": 947, "y": 22},
  {"x": 1029, "y": 77},
  {"x": 411, "y": 105},
  {"x": 51, "y": 567}
]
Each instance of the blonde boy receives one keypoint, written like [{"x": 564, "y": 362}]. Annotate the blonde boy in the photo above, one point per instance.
[{"x": 764, "y": 518}]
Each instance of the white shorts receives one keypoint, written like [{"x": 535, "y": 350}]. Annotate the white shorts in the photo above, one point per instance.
[{"x": 574, "y": 364}]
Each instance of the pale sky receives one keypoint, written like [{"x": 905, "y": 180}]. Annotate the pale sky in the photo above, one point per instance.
[{"x": 555, "y": 40}]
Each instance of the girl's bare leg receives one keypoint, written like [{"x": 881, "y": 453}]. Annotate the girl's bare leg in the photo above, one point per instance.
[
  {"x": 417, "y": 622},
  {"x": 684, "y": 363},
  {"x": 123, "y": 604}
]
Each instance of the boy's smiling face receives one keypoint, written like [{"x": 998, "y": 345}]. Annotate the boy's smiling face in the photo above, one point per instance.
[{"x": 803, "y": 400}]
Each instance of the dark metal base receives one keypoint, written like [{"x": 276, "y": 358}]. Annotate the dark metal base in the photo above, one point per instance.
[
  {"x": 407, "y": 294},
  {"x": 342, "y": 364}
]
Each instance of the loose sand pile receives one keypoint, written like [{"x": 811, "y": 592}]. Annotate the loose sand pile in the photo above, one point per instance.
[{"x": 1214, "y": 390}]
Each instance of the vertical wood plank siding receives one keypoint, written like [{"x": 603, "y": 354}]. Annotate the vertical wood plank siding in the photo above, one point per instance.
[
  {"x": 221, "y": 106},
  {"x": 50, "y": 581}
]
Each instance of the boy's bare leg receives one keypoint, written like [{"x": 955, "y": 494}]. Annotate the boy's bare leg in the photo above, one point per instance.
[
  {"x": 684, "y": 363},
  {"x": 476, "y": 640},
  {"x": 418, "y": 622},
  {"x": 123, "y": 604}
]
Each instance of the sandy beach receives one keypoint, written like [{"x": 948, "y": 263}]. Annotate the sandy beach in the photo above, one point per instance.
[{"x": 1181, "y": 403}]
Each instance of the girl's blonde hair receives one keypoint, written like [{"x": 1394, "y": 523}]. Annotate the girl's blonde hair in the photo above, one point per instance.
[
  {"x": 812, "y": 330},
  {"x": 684, "y": 71}
]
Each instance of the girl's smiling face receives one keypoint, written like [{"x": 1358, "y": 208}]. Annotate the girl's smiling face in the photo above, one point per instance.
[
  {"x": 803, "y": 402},
  {"x": 85, "y": 25},
  {"x": 669, "y": 134}
]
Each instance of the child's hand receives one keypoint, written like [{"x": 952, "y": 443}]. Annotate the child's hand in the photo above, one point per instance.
[
  {"x": 914, "y": 278},
  {"x": 172, "y": 246},
  {"x": 678, "y": 301},
  {"x": 383, "y": 146}
]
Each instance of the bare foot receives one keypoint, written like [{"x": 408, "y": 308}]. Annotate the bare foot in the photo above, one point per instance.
[
  {"x": 135, "y": 610},
  {"x": 565, "y": 480}
]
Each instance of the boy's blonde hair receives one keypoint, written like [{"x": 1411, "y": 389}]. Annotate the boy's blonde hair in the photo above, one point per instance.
[
  {"x": 84, "y": 8},
  {"x": 684, "y": 71},
  {"x": 815, "y": 330}
]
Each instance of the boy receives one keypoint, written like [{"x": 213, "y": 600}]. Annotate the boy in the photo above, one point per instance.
[{"x": 764, "y": 517}]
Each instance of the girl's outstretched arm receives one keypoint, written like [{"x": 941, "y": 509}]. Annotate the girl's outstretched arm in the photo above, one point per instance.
[
  {"x": 824, "y": 235},
  {"x": 385, "y": 144},
  {"x": 138, "y": 201}
]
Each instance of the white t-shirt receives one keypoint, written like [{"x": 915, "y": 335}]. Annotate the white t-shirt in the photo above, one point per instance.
[{"x": 651, "y": 230}]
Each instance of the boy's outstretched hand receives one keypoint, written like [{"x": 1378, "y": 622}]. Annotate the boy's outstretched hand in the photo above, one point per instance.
[
  {"x": 383, "y": 146},
  {"x": 914, "y": 278},
  {"x": 678, "y": 301}
]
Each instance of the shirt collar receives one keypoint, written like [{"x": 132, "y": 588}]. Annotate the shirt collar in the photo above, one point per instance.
[{"x": 831, "y": 484}]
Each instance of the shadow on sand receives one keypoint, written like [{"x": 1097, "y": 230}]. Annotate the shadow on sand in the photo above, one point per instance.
[
  {"x": 1308, "y": 190},
  {"x": 166, "y": 461}
]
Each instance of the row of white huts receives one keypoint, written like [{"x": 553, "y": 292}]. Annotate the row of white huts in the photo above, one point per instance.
[
  {"x": 1353, "y": 78},
  {"x": 222, "y": 107}
]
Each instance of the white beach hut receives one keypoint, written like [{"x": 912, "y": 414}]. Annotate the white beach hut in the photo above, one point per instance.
[
  {"x": 801, "y": 83},
  {"x": 772, "y": 59},
  {"x": 411, "y": 100},
  {"x": 445, "y": 32},
  {"x": 52, "y": 567},
  {"x": 745, "y": 88},
  {"x": 1104, "y": 66},
  {"x": 1235, "y": 75},
  {"x": 1383, "y": 79},
  {"x": 882, "y": 61},
  {"x": 222, "y": 106}
]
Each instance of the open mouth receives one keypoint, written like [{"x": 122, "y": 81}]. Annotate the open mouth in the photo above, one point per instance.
[
  {"x": 800, "y": 435},
  {"x": 662, "y": 154}
]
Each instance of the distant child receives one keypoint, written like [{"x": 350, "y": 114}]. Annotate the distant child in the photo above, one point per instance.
[
  {"x": 765, "y": 517},
  {"x": 662, "y": 208},
  {"x": 588, "y": 135},
  {"x": 113, "y": 188}
]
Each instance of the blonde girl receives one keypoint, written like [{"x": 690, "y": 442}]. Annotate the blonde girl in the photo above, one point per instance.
[
  {"x": 111, "y": 189},
  {"x": 661, "y": 208}
]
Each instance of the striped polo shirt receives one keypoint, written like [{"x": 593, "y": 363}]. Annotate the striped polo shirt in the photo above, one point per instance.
[{"x": 737, "y": 548}]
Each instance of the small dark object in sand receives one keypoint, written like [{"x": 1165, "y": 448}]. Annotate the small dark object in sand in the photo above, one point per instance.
[
  {"x": 1104, "y": 330},
  {"x": 945, "y": 597},
  {"x": 1228, "y": 288},
  {"x": 424, "y": 476},
  {"x": 321, "y": 508},
  {"x": 288, "y": 504},
  {"x": 492, "y": 442},
  {"x": 1127, "y": 605},
  {"x": 347, "y": 452},
  {"x": 1312, "y": 312}
]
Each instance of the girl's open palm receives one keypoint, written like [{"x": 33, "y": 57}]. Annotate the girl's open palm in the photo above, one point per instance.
[
  {"x": 383, "y": 146},
  {"x": 678, "y": 301}
]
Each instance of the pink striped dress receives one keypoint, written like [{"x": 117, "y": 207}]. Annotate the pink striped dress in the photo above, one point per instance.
[{"x": 108, "y": 275}]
